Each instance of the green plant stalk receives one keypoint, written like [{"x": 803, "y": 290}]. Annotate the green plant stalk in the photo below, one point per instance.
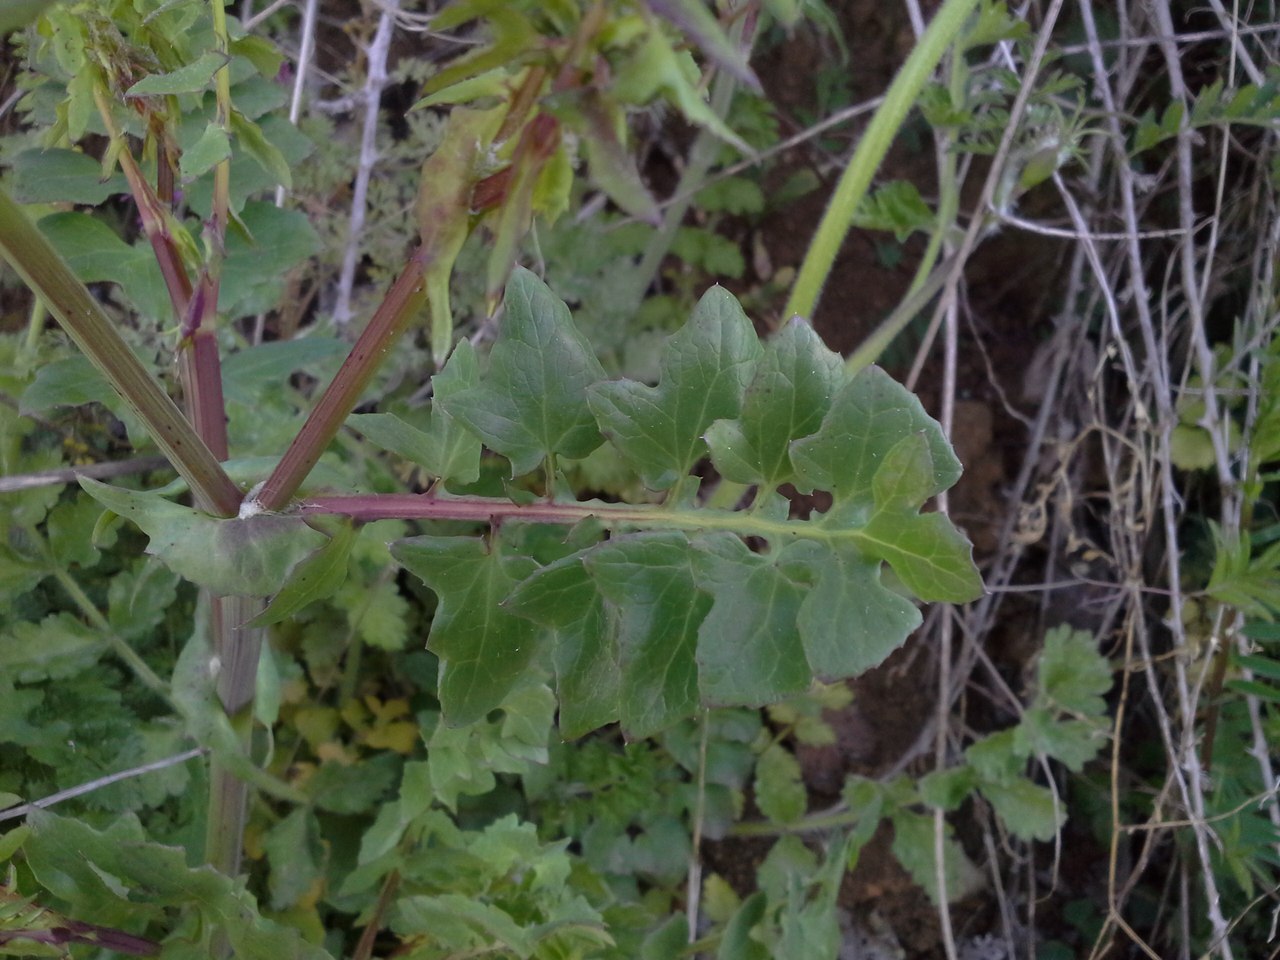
[
  {"x": 49, "y": 277},
  {"x": 402, "y": 302},
  {"x": 885, "y": 123},
  {"x": 425, "y": 506},
  {"x": 122, "y": 649},
  {"x": 922, "y": 291},
  {"x": 238, "y": 649}
]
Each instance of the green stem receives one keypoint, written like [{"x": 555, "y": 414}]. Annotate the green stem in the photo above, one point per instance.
[
  {"x": 812, "y": 824},
  {"x": 121, "y": 649},
  {"x": 35, "y": 326},
  {"x": 414, "y": 506},
  {"x": 238, "y": 649},
  {"x": 901, "y": 96},
  {"x": 873, "y": 345},
  {"x": 49, "y": 277}
]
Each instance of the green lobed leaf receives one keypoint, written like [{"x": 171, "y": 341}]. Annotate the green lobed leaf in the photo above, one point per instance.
[
  {"x": 868, "y": 417},
  {"x": 1030, "y": 811},
  {"x": 849, "y": 621},
  {"x": 913, "y": 845},
  {"x": 1073, "y": 743},
  {"x": 446, "y": 450},
  {"x": 1071, "y": 674},
  {"x": 563, "y": 597},
  {"x": 56, "y": 647},
  {"x": 787, "y": 400},
  {"x": 648, "y": 582},
  {"x": 749, "y": 650},
  {"x": 532, "y": 404},
  {"x": 706, "y": 367},
  {"x": 926, "y": 551},
  {"x": 483, "y": 650},
  {"x": 247, "y": 558}
]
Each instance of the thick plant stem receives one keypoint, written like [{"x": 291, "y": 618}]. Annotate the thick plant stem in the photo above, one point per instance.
[
  {"x": 403, "y": 301},
  {"x": 49, "y": 277},
  {"x": 237, "y": 649},
  {"x": 901, "y": 96}
]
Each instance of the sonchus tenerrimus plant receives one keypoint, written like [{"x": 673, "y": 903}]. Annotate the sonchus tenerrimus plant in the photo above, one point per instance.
[{"x": 653, "y": 609}]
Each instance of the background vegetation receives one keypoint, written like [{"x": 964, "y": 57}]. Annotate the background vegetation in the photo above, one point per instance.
[{"x": 1065, "y": 240}]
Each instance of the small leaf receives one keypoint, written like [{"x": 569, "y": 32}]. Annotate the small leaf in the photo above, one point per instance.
[
  {"x": 1071, "y": 674},
  {"x": 896, "y": 207},
  {"x": 779, "y": 791},
  {"x": 706, "y": 366},
  {"x": 654, "y": 69},
  {"x": 913, "y": 845},
  {"x": 599, "y": 122},
  {"x": 533, "y": 402},
  {"x": 1027, "y": 809},
  {"x": 212, "y": 148},
  {"x": 314, "y": 578},
  {"x": 255, "y": 143},
  {"x": 484, "y": 651},
  {"x": 246, "y": 558},
  {"x": 695, "y": 19},
  {"x": 1073, "y": 743},
  {"x": 736, "y": 943},
  {"x": 192, "y": 78},
  {"x": 261, "y": 52},
  {"x": 444, "y": 209},
  {"x": 947, "y": 789}
]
